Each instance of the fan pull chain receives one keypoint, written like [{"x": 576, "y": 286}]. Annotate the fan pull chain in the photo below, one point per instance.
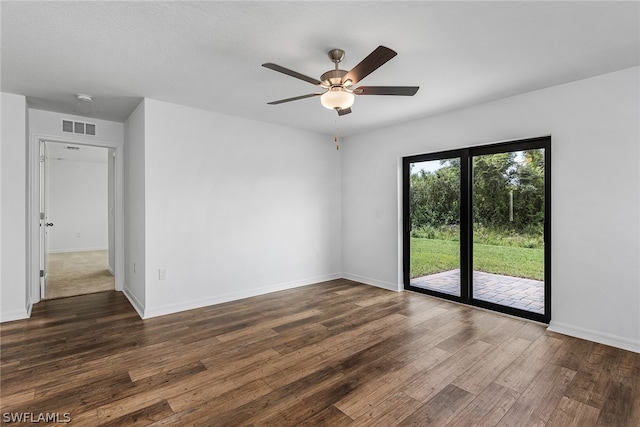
[{"x": 335, "y": 137}]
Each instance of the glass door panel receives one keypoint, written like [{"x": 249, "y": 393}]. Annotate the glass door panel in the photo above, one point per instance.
[
  {"x": 434, "y": 234},
  {"x": 508, "y": 220}
]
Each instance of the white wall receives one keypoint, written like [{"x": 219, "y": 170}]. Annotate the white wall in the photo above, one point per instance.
[
  {"x": 134, "y": 208},
  {"x": 78, "y": 205},
  {"x": 235, "y": 208},
  {"x": 595, "y": 125},
  {"x": 14, "y": 295},
  {"x": 50, "y": 124}
]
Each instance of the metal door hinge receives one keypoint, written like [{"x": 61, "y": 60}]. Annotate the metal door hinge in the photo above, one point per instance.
[
  {"x": 41, "y": 273},
  {"x": 41, "y": 215}
]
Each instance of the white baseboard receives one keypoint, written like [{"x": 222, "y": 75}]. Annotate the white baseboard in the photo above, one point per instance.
[
  {"x": 137, "y": 305},
  {"x": 150, "y": 312},
  {"x": 10, "y": 316},
  {"x": 65, "y": 251},
  {"x": 595, "y": 336},
  {"x": 373, "y": 282}
]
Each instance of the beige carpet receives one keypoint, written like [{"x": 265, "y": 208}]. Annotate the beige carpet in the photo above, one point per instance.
[{"x": 77, "y": 273}]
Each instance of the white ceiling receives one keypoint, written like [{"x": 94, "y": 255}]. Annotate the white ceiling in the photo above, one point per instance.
[{"x": 208, "y": 54}]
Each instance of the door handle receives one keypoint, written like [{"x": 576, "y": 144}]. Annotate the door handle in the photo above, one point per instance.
[{"x": 49, "y": 224}]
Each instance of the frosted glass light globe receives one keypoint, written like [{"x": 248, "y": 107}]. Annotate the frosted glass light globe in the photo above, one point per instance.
[{"x": 337, "y": 99}]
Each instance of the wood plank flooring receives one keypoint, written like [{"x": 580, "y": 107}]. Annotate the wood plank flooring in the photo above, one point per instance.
[{"x": 337, "y": 353}]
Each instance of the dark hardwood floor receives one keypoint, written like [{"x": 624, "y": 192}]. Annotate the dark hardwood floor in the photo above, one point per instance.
[{"x": 333, "y": 354}]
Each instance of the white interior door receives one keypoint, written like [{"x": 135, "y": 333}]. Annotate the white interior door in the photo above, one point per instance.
[{"x": 44, "y": 218}]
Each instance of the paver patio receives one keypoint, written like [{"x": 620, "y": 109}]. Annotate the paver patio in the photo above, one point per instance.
[{"x": 516, "y": 292}]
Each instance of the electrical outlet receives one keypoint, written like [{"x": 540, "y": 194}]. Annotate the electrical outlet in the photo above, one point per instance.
[{"x": 162, "y": 274}]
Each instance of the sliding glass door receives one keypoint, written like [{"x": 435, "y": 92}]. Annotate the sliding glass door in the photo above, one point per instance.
[
  {"x": 508, "y": 228},
  {"x": 434, "y": 199},
  {"x": 477, "y": 226}
]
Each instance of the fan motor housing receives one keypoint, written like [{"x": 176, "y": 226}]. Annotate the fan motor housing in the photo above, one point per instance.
[{"x": 333, "y": 77}]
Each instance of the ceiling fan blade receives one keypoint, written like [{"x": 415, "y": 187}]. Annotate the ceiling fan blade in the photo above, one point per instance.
[
  {"x": 386, "y": 90},
  {"x": 344, "y": 111},
  {"x": 368, "y": 65},
  {"x": 292, "y": 73},
  {"x": 295, "y": 98}
]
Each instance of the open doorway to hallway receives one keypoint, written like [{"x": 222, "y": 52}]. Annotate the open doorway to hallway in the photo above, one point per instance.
[{"x": 78, "y": 196}]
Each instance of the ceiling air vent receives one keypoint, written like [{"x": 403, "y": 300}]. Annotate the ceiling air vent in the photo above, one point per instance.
[
  {"x": 67, "y": 126},
  {"x": 79, "y": 127}
]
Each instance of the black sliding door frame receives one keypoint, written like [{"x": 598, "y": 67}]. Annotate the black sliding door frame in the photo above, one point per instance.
[{"x": 466, "y": 156}]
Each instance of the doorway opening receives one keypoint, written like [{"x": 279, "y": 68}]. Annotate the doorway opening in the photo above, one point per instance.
[
  {"x": 78, "y": 232},
  {"x": 476, "y": 226},
  {"x": 39, "y": 223}
]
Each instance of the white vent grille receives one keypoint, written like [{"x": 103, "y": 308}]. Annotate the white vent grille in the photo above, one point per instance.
[{"x": 79, "y": 127}]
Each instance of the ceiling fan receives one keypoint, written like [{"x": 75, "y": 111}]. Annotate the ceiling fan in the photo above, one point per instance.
[{"x": 339, "y": 84}]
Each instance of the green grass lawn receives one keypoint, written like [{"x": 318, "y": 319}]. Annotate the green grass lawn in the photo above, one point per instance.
[{"x": 430, "y": 256}]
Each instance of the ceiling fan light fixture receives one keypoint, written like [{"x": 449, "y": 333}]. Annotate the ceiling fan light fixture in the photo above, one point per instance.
[
  {"x": 339, "y": 85},
  {"x": 337, "y": 98}
]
